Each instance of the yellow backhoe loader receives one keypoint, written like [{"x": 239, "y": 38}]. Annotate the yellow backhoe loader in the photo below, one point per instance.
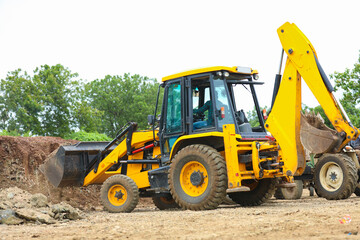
[{"x": 202, "y": 146}]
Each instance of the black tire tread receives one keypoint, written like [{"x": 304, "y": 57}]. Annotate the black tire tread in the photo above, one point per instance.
[
  {"x": 218, "y": 169},
  {"x": 130, "y": 186},
  {"x": 161, "y": 205},
  {"x": 262, "y": 193},
  {"x": 350, "y": 179}
]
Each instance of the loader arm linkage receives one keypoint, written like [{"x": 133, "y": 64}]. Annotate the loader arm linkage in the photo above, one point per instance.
[{"x": 283, "y": 124}]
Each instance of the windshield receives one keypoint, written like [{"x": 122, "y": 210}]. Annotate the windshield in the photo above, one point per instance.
[
  {"x": 245, "y": 110},
  {"x": 243, "y": 99}
]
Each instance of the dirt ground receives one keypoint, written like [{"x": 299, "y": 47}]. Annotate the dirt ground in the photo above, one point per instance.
[{"x": 309, "y": 217}]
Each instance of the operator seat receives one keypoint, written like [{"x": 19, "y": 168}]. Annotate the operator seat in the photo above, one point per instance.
[{"x": 244, "y": 125}]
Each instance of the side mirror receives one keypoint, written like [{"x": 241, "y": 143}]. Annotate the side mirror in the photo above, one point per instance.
[{"x": 151, "y": 119}]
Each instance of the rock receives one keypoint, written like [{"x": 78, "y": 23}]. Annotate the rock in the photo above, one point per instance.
[
  {"x": 6, "y": 213},
  {"x": 2, "y": 206},
  {"x": 32, "y": 215},
  {"x": 39, "y": 200},
  {"x": 10, "y": 195},
  {"x": 27, "y": 214},
  {"x": 32, "y": 208},
  {"x": 20, "y": 205},
  {"x": 65, "y": 211},
  {"x": 8, "y": 217},
  {"x": 12, "y": 220}
]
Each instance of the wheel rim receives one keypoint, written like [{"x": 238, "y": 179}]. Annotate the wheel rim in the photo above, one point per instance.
[
  {"x": 194, "y": 178},
  {"x": 117, "y": 195},
  {"x": 331, "y": 176}
]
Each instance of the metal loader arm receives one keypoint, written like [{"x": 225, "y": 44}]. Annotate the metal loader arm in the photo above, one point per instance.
[{"x": 284, "y": 119}]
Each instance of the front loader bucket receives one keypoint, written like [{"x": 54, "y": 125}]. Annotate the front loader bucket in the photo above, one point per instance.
[
  {"x": 316, "y": 136},
  {"x": 67, "y": 165}
]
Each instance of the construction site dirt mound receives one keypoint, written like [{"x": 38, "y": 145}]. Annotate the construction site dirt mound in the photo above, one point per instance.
[{"x": 20, "y": 158}]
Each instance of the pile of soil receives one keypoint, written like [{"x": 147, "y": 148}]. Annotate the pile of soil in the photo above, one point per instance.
[{"x": 20, "y": 158}]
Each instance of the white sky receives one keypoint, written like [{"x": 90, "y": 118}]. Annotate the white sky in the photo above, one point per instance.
[{"x": 159, "y": 38}]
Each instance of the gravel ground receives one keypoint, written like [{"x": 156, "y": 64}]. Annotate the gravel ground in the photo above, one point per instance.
[{"x": 309, "y": 217}]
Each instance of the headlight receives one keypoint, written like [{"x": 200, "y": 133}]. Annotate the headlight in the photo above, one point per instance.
[
  {"x": 256, "y": 77},
  {"x": 226, "y": 74},
  {"x": 245, "y": 70}
]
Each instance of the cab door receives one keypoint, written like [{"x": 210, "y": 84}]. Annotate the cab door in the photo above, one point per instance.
[{"x": 172, "y": 121}]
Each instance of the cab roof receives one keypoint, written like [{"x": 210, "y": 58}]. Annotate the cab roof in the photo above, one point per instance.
[{"x": 236, "y": 69}]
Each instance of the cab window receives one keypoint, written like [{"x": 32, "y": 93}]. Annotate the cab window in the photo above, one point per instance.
[
  {"x": 223, "y": 109},
  {"x": 173, "y": 109},
  {"x": 203, "y": 113}
]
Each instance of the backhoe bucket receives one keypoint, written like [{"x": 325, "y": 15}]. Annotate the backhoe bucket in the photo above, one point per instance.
[
  {"x": 67, "y": 165},
  {"x": 315, "y": 136}
]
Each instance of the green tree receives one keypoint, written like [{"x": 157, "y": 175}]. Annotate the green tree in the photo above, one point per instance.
[
  {"x": 349, "y": 82},
  {"x": 122, "y": 99},
  {"x": 42, "y": 104},
  {"x": 20, "y": 103},
  {"x": 88, "y": 119},
  {"x": 58, "y": 90},
  {"x": 253, "y": 117},
  {"x": 54, "y": 102}
]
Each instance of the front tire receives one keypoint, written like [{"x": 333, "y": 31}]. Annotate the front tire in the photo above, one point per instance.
[
  {"x": 335, "y": 176},
  {"x": 119, "y": 193},
  {"x": 198, "y": 178},
  {"x": 261, "y": 191}
]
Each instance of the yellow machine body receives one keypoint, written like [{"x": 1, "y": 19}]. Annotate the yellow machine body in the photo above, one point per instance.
[
  {"x": 283, "y": 123},
  {"x": 245, "y": 157},
  {"x": 135, "y": 171}
]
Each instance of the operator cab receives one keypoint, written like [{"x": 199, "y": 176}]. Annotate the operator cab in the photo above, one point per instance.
[{"x": 203, "y": 100}]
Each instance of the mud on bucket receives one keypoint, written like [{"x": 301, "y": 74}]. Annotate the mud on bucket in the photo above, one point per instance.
[
  {"x": 316, "y": 136},
  {"x": 67, "y": 165}
]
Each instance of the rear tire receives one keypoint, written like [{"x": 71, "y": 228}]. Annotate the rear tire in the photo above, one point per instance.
[
  {"x": 198, "y": 178},
  {"x": 290, "y": 193},
  {"x": 119, "y": 193},
  {"x": 164, "y": 203},
  {"x": 263, "y": 190},
  {"x": 335, "y": 176}
]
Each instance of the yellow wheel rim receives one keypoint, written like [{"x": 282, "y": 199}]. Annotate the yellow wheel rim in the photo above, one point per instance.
[
  {"x": 194, "y": 178},
  {"x": 117, "y": 195}
]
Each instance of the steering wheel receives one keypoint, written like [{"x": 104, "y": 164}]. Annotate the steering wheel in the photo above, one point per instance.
[{"x": 198, "y": 117}]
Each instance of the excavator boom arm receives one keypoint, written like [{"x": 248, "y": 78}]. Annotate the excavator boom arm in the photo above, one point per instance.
[{"x": 284, "y": 119}]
